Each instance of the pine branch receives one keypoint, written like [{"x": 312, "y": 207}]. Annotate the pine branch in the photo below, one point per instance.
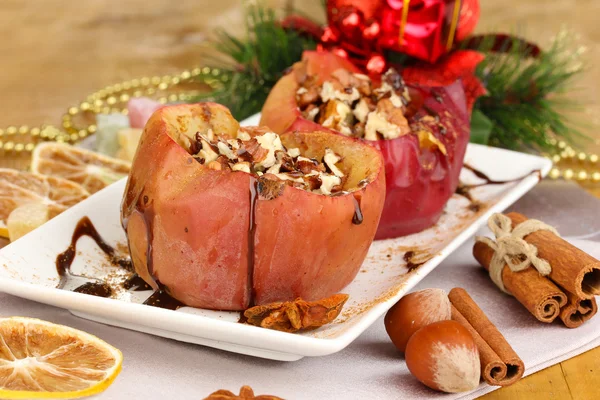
[
  {"x": 251, "y": 66},
  {"x": 526, "y": 102}
]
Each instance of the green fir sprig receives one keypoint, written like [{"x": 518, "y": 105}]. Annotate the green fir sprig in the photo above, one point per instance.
[
  {"x": 527, "y": 104},
  {"x": 251, "y": 66}
]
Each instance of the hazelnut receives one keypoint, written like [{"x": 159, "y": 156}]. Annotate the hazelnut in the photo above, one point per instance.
[
  {"x": 444, "y": 357},
  {"x": 415, "y": 311}
]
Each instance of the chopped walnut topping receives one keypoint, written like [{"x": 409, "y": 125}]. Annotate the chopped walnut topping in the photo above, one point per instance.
[
  {"x": 350, "y": 104},
  {"x": 261, "y": 153}
]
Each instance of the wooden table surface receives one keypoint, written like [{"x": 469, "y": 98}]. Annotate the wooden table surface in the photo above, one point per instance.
[{"x": 53, "y": 53}]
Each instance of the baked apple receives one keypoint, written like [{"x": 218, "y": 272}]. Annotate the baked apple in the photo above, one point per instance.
[
  {"x": 223, "y": 217},
  {"x": 422, "y": 132}
]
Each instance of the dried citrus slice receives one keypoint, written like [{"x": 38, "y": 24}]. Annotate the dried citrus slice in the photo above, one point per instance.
[
  {"x": 18, "y": 188},
  {"x": 41, "y": 360},
  {"x": 91, "y": 170},
  {"x": 26, "y": 218},
  {"x": 3, "y": 229}
]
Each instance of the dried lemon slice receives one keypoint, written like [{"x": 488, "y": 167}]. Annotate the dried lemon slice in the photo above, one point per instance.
[
  {"x": 41, "y": 360},
  {"x": 91, "y": 170},
  {"x": 18, "y": 188}
]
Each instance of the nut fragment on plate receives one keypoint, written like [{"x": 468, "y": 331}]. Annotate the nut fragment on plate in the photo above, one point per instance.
[
  {"x": 259, "y": 152},
  {"x": 292, "y": 316},
  {"x": 246, "y": 393}
]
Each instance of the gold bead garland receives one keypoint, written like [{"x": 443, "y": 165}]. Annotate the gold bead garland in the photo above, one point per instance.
[
  {"x": 568, "y": 163},
  {"x": 111, "y": 99}
]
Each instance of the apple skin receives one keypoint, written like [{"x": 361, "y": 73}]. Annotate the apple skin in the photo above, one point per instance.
[
  {"x": 194, "y": 222},
  {"x": 419, "y": 182}
]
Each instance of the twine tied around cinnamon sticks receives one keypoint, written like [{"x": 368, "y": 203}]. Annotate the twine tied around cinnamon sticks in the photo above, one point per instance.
[{"x": 511, "y": 249}]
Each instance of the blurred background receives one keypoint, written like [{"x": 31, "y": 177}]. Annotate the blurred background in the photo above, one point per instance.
[{"x": 53, "y": 53}]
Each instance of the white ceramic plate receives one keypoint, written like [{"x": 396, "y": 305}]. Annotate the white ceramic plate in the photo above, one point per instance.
[{"x": 27, "y": 269}]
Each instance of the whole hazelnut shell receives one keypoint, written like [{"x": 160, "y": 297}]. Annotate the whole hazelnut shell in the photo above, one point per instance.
[
  {"x": 444, "y": 357},
  {"x": 413, "y": 312}
]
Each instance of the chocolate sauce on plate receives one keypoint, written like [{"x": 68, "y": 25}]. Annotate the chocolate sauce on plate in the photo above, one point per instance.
[
  {"x": 95, "y": 289},
  {"x": 161, "y": 299}
]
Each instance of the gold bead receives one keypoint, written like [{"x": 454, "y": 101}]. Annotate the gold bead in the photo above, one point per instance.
[
  {"x": 124, "y": 111},
  {"x": 1, "y": 145},
  {"x": 155, "y": 80},
  {"x": 593, "y": 158},
  {"x": 29, "y": 147},
  {"x": 118, "y": 87},
  {"x": 102, "y": 93},
  {"x": 145, "y": 81},
  {"x": 172, "y": 97},
  {"x": 111, "y": 100},
  {"x": 126, "y": 85},
  {"x": 82, "y": 133},
  {"x": 568, "y": 174},
  {"x": 162, "y": 100},
  {"x": 581, "y": 156},
  {"x": 73, "y": 110},
  {"x": 23, "y": 129},
  {"x": 11, "y": 130},
  {"x": 19, "y": 147},
  {"x": 596, "y": 176},
  {"x": 186, "y": 75},
  {"x": 74, "y": 137},
  {"x": 582, "y": 175},
  {"x": 91, "y": 128},
  {"x": 67, "y": 124},
  {"x": 105, "y": 110},
  {"x": 163, "y": 86},
  {"x": 1, "y": 132},
  {"x": 552, "y": 142},
  {"x": 150, "y": 91},
  {"x": 124, "y": 98},
  {"x": 84, "y": 106},
  {"x": 198, "y": 71},
  {"x": 554, "y": 173},
  {"x": 66, "y": 117},
  {"x": 137, "y": 93},
  {"x": 556, "y": 158},
  {"x": 9, "y": 146},
  {"x": 562, "y": 145},
  {"x": 135, "y": 83},
  {"x": 34, "y": 132},
  {"x": 166, "y": 78},
  {"x": 175, "y": 80}
]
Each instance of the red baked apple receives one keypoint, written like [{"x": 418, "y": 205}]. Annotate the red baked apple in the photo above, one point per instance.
[
  {"x": 223, "y": 217},
  {"x": 422, "y": 132}
]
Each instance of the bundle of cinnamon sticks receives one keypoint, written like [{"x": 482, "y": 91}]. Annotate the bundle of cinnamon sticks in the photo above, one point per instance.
[{"x": 566, "y": 293}]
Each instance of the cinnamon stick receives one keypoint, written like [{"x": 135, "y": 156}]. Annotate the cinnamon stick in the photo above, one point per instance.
[
  {"x": 572, "y": 269},
  {"x": 578, "y": 311},
  {"x": 538, "y": 294},
  {"x": 500, "y": 365}
]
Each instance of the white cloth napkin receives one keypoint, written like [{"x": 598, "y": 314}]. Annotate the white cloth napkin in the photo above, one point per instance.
[{"x": 370, "y": 368}]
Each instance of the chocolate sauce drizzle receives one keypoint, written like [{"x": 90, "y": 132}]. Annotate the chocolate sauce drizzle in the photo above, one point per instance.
[
  {"x": 251, "y": 234},
  {"x": 162, "y": 299},
  {"x": 357, "y": 218},
  {"x": 64, "y": 260},
  {"x": 464, "y": 190}
]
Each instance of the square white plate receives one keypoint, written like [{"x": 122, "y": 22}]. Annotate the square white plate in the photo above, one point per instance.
[{"x": 27, "y": 268}]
